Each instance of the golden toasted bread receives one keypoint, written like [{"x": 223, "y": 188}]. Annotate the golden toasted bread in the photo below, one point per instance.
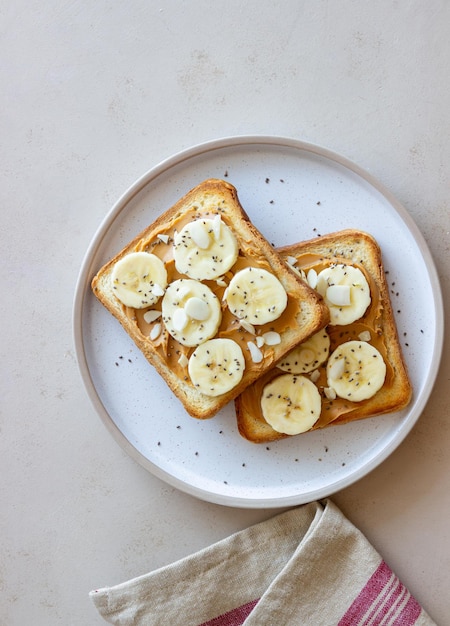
[
  {"x": 376, "y": 327},
  {"x": 168, "y": 322}
]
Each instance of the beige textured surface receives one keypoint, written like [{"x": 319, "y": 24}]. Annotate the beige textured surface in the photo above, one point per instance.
[{"x": 94, "y": 94}]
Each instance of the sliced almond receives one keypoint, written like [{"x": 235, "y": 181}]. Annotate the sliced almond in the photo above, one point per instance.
[
  {"x": 180, "y": 319},
  {"x": 248, "y": 327},
  {"x": 272, "y": 338},
  {"x": 339, "y": 295},
  {"x": 255, "y": 352},
  {"x": 197, "y": 309},
  {"x": 155, "y": 332},
  {"x": 311, "y": 278},
  {"x": 200, "y": 234},
  {"x": 151, "y": 316},
  {"x": 296, "y": 270},
  {"x": 217, "y": 222}
]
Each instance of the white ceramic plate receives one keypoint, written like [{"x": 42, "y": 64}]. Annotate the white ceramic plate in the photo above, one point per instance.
[{"x": 291, "y": 191}]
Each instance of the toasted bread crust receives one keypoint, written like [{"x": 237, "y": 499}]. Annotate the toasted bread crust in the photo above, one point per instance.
[
  {"x": 311, "y": 316},
  {"x": 362, "y": 249}
]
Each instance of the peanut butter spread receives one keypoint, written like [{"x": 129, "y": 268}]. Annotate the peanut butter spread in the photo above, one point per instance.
[
  {"x": 160, "y": 243},
  {"x": 337, "y": 410}
]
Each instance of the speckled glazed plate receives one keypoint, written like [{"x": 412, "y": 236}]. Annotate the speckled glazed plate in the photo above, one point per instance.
[{"x": 291, "y": 191}]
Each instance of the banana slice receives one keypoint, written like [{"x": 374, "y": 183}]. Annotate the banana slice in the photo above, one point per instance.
[
  {"x": 216, "y": 366},
  {"x": 308, "y": 356},
  {"x": 256, "y": 296},
  {"x": 191, "y": 312},
  {"x": 205, "y": 249},
  {"x": 139, "y": 279},
  {"x": 345, "y": 291},
  {"x": 291, "y": 404},
  {"x": 356, "y": 371}
]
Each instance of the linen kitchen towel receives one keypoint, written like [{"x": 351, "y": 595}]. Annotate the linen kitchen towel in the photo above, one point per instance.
[{"x": 308, "y": 566}]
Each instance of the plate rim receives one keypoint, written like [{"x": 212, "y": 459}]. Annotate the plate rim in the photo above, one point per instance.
[{"x": 81, "y": 292}]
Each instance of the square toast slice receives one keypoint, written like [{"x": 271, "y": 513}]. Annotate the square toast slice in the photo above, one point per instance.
[
  {"x": 377, "y": 327},
  {"x": 156, "y": 325}
]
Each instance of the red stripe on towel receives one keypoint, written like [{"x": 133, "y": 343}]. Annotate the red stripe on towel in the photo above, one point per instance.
[
  {"x": 235, "y": 617},
  {"x": 384, "y": 599}
]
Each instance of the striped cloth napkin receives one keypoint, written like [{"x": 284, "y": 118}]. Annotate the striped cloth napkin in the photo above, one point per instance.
[{"x": 308, "y": 566}]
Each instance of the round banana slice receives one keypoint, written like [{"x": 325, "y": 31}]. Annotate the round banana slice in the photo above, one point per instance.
[
  {"x": 139, "y": 279},
  {"x": 291, "y": 404},
  {"x": 216, "y": 366},
  {"x": 256, "y": 296},
  {"x": 205, "y": 249},
  {"x": 308, "y": 356},
  {"x": 345, "y": 291},
  {"x": 191, "y": 312},
  {"x": 356, "y": 371}
]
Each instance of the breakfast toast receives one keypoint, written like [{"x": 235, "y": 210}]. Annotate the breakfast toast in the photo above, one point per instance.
[
  {"x": 350, "y": 370},
  {"x": 207, "y": 299}
]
